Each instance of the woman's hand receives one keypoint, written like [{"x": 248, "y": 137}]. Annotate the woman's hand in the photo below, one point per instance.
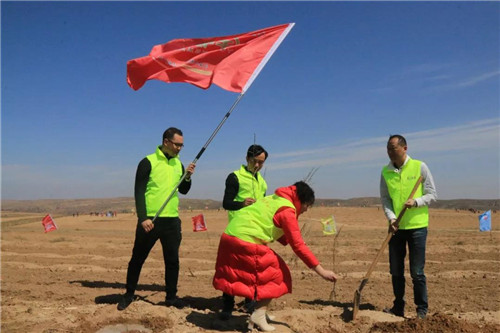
[{"x": 325, "y": 274}]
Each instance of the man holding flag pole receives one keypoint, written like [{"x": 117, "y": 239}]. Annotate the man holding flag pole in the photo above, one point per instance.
[
  {"x": 231, "y": 62},
  {"x": 157, "y": 174}
]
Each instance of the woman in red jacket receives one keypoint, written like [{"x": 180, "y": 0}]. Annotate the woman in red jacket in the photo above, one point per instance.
[{"x": 247, "y": 267}]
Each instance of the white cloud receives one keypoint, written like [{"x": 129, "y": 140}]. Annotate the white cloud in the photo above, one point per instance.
[
  {"x": 435, "y": 77},
  {"x": 483, "y": 134},
  {"x": 467, "y": 82},
  {"x": 477, "y": 79},
  {"x": 345, "y": 170}
]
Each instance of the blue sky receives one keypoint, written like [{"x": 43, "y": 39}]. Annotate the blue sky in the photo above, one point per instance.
[{"x": 347, "y": 76}]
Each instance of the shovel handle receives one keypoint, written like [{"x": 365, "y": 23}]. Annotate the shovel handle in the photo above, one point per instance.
[
  {"x": 389, "y": 235},
  {"x": 357, "y": 293}
]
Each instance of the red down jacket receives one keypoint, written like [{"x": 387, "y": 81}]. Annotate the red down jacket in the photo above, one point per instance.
[{"x": 254, "y": 270}]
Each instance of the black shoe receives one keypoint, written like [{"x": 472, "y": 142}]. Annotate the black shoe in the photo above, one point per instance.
[
  {"x": 175, "y": 302},
  {"x": 394, "y": 312},
  {"x": 225, "y": 315},
  {"x": 125, "y": 302},
  {"x": 421, "y": 315}
]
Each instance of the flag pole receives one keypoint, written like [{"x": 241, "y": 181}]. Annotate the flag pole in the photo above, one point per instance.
[
  {"x": 202, "y": 150},
  {"x": 254, "y": 75}
]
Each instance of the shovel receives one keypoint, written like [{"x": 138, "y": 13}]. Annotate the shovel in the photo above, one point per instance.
[{"x": 357, "y": 293}]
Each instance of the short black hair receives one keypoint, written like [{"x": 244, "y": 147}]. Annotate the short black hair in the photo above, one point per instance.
[
  {"x": 256, "y": 150},
  {"x": 305, "y": 193},
  {"x": 170, "y": 132},
  {"x": 401, "y": 139}
]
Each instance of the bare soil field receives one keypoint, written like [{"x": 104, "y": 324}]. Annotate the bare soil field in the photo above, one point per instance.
[{"x": 71, "y": 279}]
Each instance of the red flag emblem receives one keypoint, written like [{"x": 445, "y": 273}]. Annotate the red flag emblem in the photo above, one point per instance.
[
  {"x": 48, "y": 223},
  {"x": 199, "y": 223},
  {"x": 231, "y": 62}
]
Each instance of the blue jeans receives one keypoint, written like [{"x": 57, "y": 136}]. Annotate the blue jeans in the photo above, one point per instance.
[{"x": 416, "y": 239}]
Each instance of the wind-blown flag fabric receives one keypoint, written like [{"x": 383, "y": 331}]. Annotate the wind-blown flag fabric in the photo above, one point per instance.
[
  {"x": 48, "y": 223},
  {"x": 199, "y": 223},
  {"x": 231, "y": 62},
  {"x": 329, "y": 226},
  {"x": 485, "y": 221}
]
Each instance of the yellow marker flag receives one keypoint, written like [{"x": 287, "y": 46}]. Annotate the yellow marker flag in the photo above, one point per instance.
[{"x": 329, "y": 226}]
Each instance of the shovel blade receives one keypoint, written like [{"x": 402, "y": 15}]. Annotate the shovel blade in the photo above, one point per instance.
[{"x": 356, "y": 302}]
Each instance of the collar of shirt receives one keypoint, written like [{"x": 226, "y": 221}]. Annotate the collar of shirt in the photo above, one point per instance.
[{"x": 391, "y": 166}]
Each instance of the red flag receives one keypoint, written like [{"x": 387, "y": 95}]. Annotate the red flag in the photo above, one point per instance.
[
  {"x": 231, "y": 62},
  {"x": 48, "y": 223},
  {"x": 199, "y": 223}
]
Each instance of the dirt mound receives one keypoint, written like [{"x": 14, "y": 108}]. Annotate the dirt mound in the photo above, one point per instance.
[
  {"x": 437, "y": 322},
  {"x": 123, "y": 324}
]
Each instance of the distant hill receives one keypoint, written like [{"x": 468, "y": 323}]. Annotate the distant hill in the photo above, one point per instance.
[
  {"x": 69, "y": 206},
  {"x": 87, "y": 206},
  {"x": 127, "y": 205},
  {"x": 461, "y": 204}
]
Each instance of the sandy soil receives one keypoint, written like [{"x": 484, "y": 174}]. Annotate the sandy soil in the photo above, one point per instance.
[{"x": 70, "y": 280}]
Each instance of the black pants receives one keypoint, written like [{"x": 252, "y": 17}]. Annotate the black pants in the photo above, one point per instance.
[{"x": 168, "y": 230}]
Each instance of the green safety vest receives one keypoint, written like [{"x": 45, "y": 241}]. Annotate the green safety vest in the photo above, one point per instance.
[
  {"x": 165, "y": 174},
  {"x": 249, "y": 187},
  {"x": 400, "y": 184},
  {"x": 254, "y": 223}
]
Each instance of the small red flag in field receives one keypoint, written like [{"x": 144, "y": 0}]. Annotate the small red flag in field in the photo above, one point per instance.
[
  {"x": 231, "y": 62},
  {"x": 199, "y": 223},
  {"x": 48, "y": 223}
]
